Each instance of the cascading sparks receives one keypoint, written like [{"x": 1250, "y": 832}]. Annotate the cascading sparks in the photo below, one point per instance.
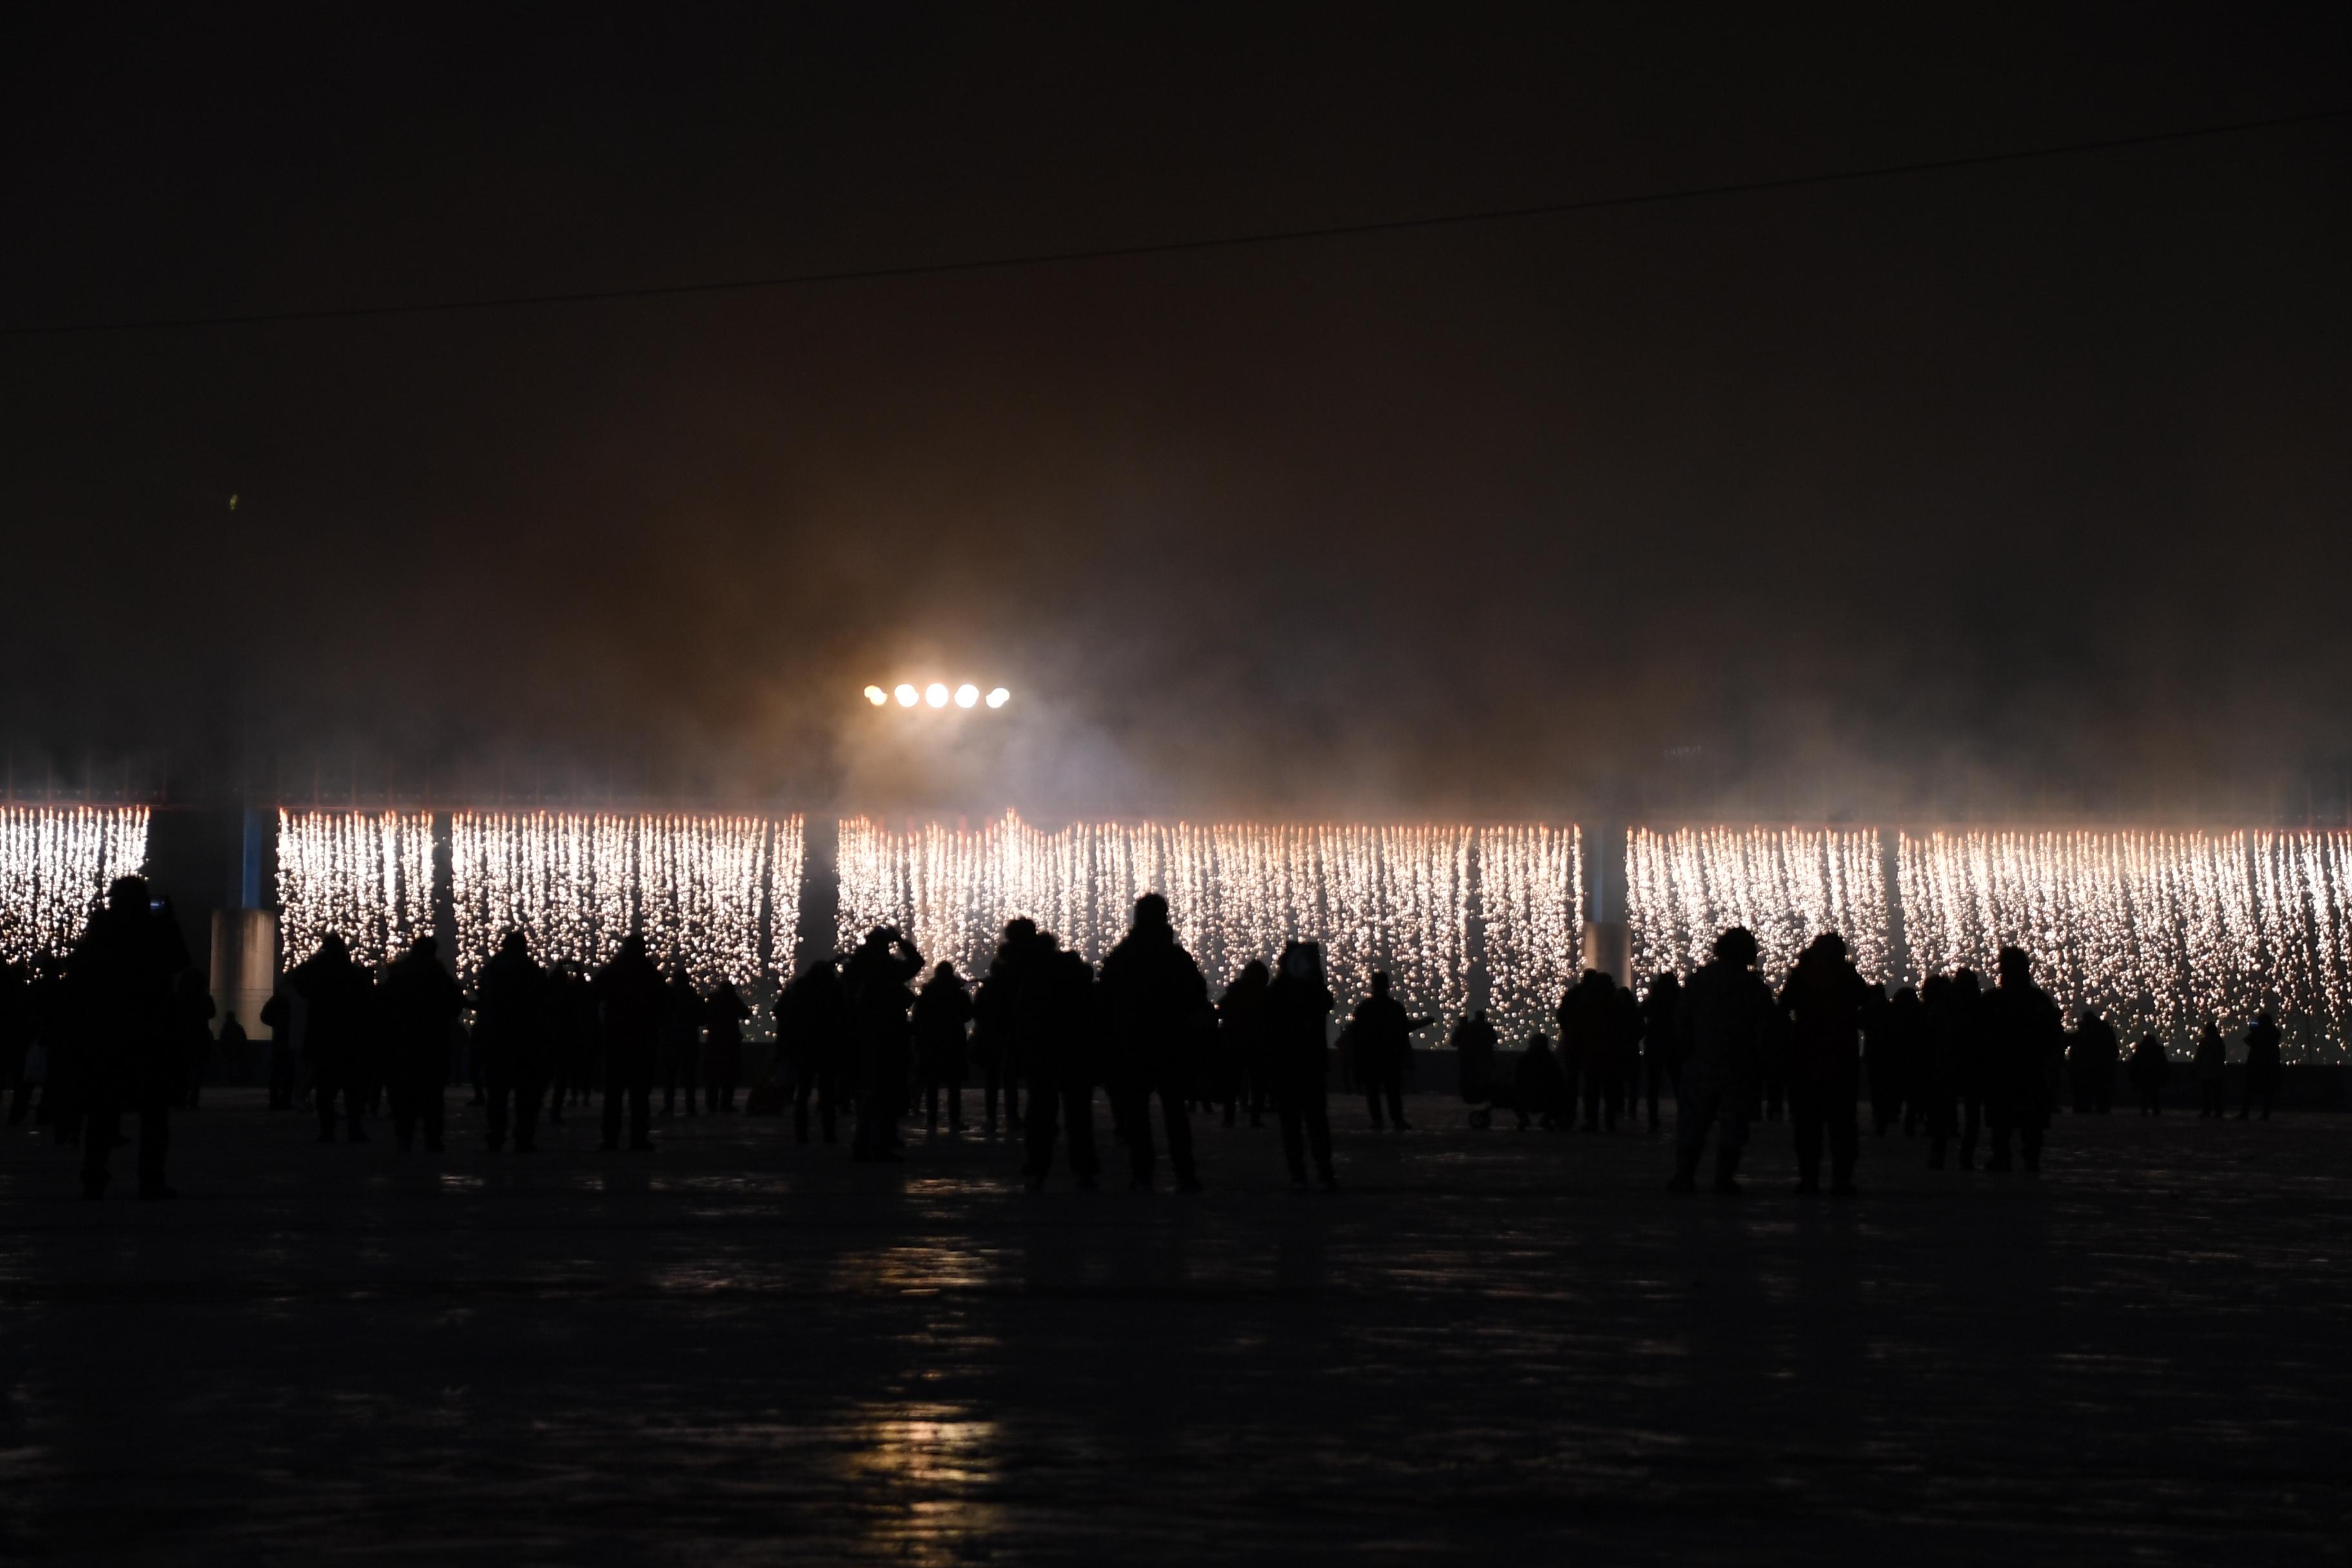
[
  {"x": 2159, "y": 931},
  {"x": 367, "y": 875},
  {"x": 1400, "y": 898},
  {"x": 1785, "y": 884},
  {"x": 55, "y": 864},
  {"x": 577, "y": 885}
]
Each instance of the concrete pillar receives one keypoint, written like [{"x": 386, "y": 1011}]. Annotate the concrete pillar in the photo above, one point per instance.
[
  {"x": 1608, "y": 944},
  {"x": 1609, "y": 948},
  {"x": 245, "y": 964}
]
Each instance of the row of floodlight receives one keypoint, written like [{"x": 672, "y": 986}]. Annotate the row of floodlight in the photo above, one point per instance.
[{"x": 936, "y": 695}]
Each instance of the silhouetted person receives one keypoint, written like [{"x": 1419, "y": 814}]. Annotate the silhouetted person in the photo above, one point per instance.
[
  {"x": 1727, "y": 1022},
  {"x": 2025, "y": 1039},
  {"x": 1157, "y": 1008},
  {"x": 1894, "y": 1060},
  {"x": 2149, "y": 1062},
  {"x": 1826, "y": 1001},
  {"x": 942, "y": 1009},
  {"x": 1587, "y": 1015},
  {"x": 1659, "y": 1065},
  {"x": 876, "y": 977},
  {"x": 995, "y": 1046},
  {"x": 1057, "y": 1024},
  {"x": 1241, "y": 1037},
  {"x": 277, "y": 1017},
  {"x": 338, "y": 1029},
  {"x": 2091, "y": 1060},
  {"x": 118, "y": 982},
  {"x": 1384, "y": 1034},
  {"x": 812, "y": 1031},
  {"x": 2262, "y": 1065},
  {"x": 1956, "y": 1065},
  {"x": 723, "y": 1013},
  {"x": 512, "y": 1017},
  {"x": 418, "y": 1002},
  {"x": 1298, "y": 1005},
  {"x": 192, "y": 1035},
  {"x": 1540, "y": 1089},
  {"x": 1474, "y": 1042},
  {"x": 629, "y": 992},
  {"x": 2212, "y": 1068},
  {"x": 682, "y": 1039},
  {"x": 576, "y": 1038}
]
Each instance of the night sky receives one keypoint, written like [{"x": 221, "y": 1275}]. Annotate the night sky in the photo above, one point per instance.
[{"x": 2023, "y": 486}]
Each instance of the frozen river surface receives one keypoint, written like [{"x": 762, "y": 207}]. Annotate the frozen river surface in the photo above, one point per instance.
[{"x": 1516, "y": 1346}]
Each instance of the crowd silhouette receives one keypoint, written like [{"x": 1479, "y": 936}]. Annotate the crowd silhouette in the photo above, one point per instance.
[{"x": 120, "y": 1026}]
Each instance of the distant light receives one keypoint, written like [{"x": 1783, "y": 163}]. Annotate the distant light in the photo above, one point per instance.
[
  {"x": 967, "y": 694},
  {"x": 999, "y": 697},
  {"x": 935, "y": 694},
  {"x": 876, "y": 696},
  {"x": 908, "y": 696}
]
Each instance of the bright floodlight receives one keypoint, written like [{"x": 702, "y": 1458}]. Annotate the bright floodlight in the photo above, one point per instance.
[
  {"x": 876, "y": 696},
  {"x": 999, "y": 697},
  {"x": 908, "y": 696},
  {"x": 967, "y": 694},
  {"x": 936, "y": 695}
]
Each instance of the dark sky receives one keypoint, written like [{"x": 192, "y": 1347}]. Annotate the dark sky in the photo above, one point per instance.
[{"x": 2020, "y": 482}]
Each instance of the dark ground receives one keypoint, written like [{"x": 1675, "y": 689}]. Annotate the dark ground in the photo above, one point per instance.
[{"x": 1489, "y": 1344}]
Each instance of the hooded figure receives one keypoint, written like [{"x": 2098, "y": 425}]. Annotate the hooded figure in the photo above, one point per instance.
[
  {"x": 812, "y": 1031},
  {"x": 1954, "y": 1072},
  {"x": 723, "y": 1013},
  {"x": 1472, "y": 1041},
  {"x": 1382, "y": 1034},
  {"x": 1157, "y": 1006},
  {"x": 117, "y": 981},
  {"x": 629, "y": 992},
  {"x": 2025, "y": 1040},
  {"x": 876, "y": 977},
  {"x": 995, "y": 1042},
  {"x": 338, "y": 1027},
  {"x": 417, "y": 1002},
  {"x": 2263, "y": 1068},
  {"x": 1726, "y": 1021},
  {"x": 1242, "y": 1040},
  {"x": 942, "y": 1013},
  {"x": 511, "y": 1018},
  {"x": 1057, "y": 1024},
  {"x": 1826, "y": 1002},
  {"x": 2149, "y": 1061},
  {"x": 1298, "y": 1008}
]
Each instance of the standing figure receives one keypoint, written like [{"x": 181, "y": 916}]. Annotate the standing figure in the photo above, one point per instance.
[
  {"x": 511, "y": 1016},
  {"x": 1474, "y": 1041},
  {"x": 942, "y": 1010},
  {"x": 1583, "y": 1017},
  {"x": 723, "y": 1013},
  {"x": 1157, "y": 1008},
  {"x": 1058, "y": 1029},
  {"x": 337, "y": 1023},
  {"x": 2091, "y": 1061},
  {"x": 2262, "y": 1068},
  {"x": 232, "y": 1040},
  {"x": 994, "y": 1039},
  {"x": 1891, "y": 1053},
  {"x": 418, "y": 1004},
  {"x": 1540, "y": 1089},
  {"x": 1382, "y": 1036},
  {"x": 681, "y": 1041},
  {"x": 1298, "y": 1008},
  {"x": 1727, "y": 1019},
  {"x": 2149, "y": 1062},
  {"x": 629, "y": 991},
  {"x": 2025, "y": 1040},
  {"x": 812, "y": 1030},
  {"x": 1955, "y": 1074},
  {"x": 1241, "y": 1037},
  {"x": 2212, "y": 1068},
  {"x": 1659, "y": 1064},
  {"x": 118, "y": 982},
  {"x": 875, "y": 978},
  {"x": 1825, "y": 1002}
]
